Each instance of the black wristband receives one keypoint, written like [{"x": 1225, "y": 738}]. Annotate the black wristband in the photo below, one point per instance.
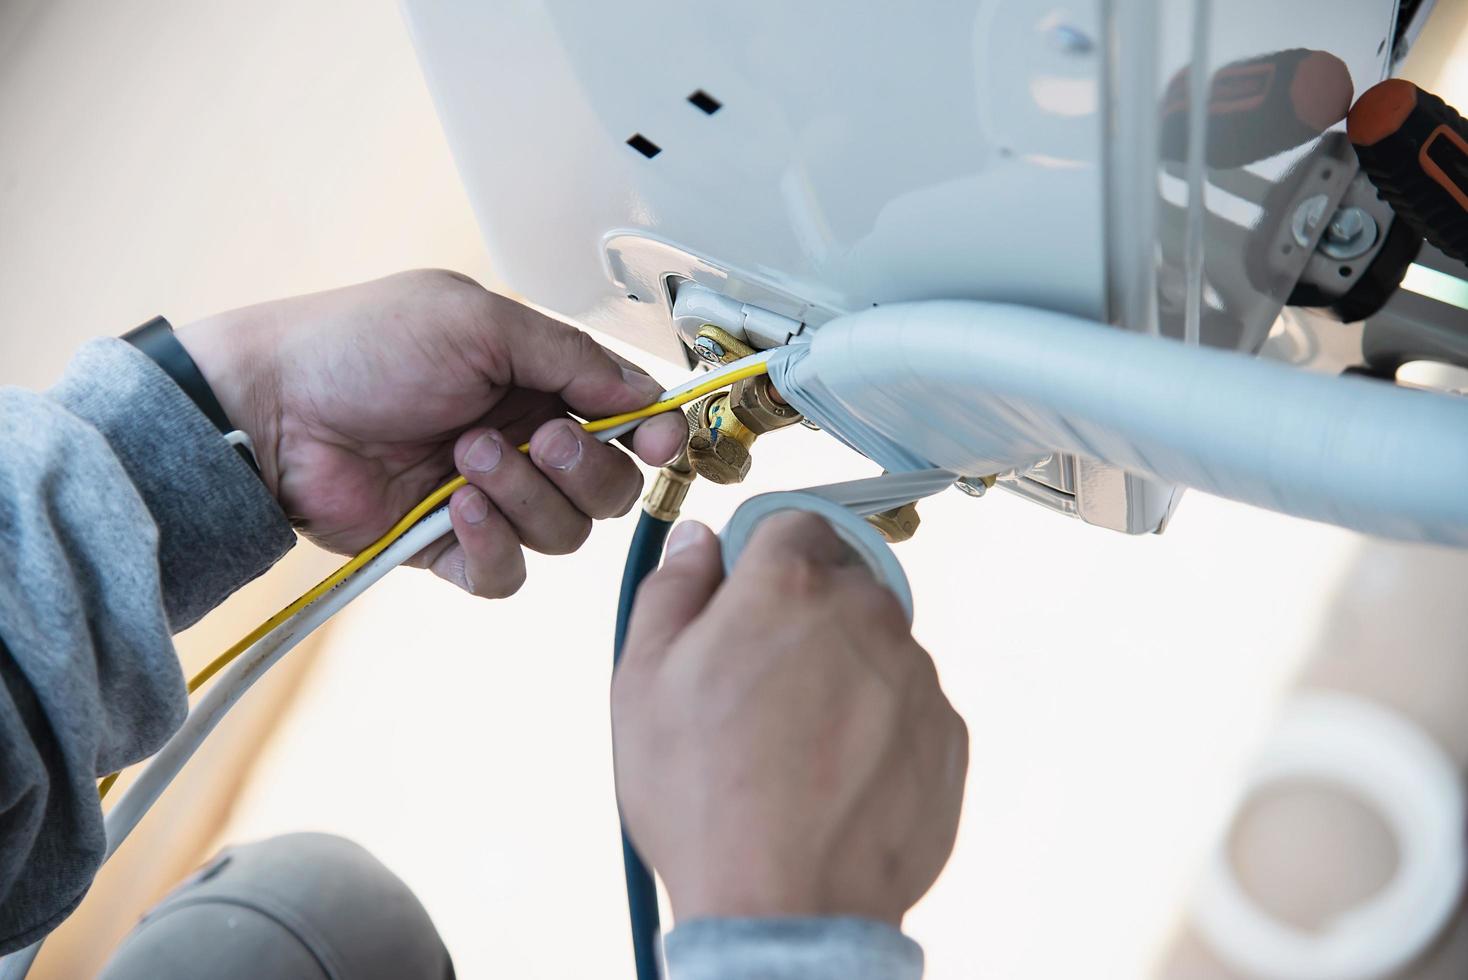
[{"x": 155, "y": 339}]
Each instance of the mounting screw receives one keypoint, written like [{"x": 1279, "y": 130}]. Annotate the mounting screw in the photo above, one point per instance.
[
  {"x": 1346, "y": 224},
  {"x": 1307, "y": 218},
  {"x": 709, "y": 349},
  {"x": 1350, "y": 234},
  {"x": 974, "y": 486}
]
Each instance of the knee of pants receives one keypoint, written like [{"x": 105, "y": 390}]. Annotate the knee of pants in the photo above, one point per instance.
[{"x": 297, "y": 907}]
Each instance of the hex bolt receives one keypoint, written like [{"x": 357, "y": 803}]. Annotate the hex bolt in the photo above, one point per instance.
[
  {"x": 709, "y": 349},
  {"x": 898, "y": 524},
  {"x": 1350, "y": 234},
  {"x": 975, "y": 486},
  {"x": 1346, "y": 224},
  {"x": 758, "y": 406},
  {"x": 718, "y": 445}
]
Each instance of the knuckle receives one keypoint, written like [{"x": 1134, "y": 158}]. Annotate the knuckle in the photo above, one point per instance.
[
  {"x": 443, "y": 281},
  {"x": 452, "y": 297},
  {"x": 610, "y": 487},
  {"x": 503, "y": 584},
  {"x": 798, "y": 576},
  {"x": 581, "y": 349},
  {"x": 779, "y": 530},
  {"x": 567, "y": 538},
  {"x": 960, "y": 729},
  {"x": 631, "y": 490},
  {"x": 586, "y": 348},
  {"x": 453, "y": 569},
  {"x": 626, "y": 506}
]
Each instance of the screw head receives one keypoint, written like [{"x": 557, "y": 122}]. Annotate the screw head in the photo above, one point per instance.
[
  {"x": 709, "y": 349},
  {"x": 972, "y": 486},
  {"x": 1350, "y": 234},
  {"x": 1346, "y": 224},
  {"x": 1307, "y": 218}
]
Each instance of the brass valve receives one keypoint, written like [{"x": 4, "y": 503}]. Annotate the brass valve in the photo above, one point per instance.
[
  {"x": 718, "y": 346},
  {"x": 724, "y": 427},
  {"x": 719, "y": 445},
  {"x": 757, "y": 404},
  {"x": 897, "y": 524}
]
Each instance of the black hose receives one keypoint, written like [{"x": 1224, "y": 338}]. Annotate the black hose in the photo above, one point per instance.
[{"x": 642, "y": 896}]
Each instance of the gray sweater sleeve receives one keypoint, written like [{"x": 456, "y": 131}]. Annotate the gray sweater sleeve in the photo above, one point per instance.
[
  {"x": 791, "y": 949},
  {"x": 124, "y": 516}
]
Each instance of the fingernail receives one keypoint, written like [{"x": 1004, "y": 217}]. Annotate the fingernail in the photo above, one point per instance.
[
  {"x": 474, "y": 508},
  {"x": 643, "y": 383},
  {"x": 483, "y": 453},
  {"x": 561, "y": 448},
  {"x": 684, "y": 535}
]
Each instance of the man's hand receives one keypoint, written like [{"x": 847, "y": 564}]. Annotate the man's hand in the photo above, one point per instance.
[
  {"x": 360, "y": 401},
  {"x": 783, "y": 746}
]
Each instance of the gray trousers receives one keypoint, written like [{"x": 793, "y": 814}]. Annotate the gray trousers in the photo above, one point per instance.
[{"x": 298, "y": 907}]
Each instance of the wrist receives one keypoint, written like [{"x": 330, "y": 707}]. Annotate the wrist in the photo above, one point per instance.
[{"x": 235, "y": 358}]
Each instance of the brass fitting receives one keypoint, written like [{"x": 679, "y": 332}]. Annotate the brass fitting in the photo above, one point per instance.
[
  {"x": 897, "y": 524},
  {"x": 759, "y": 406},
  {"x": 723, "y": 427},
  {"x": 718, "y": 346},
  {"x": 719, "y": 445},
  {"x": 665, "y": 497}
]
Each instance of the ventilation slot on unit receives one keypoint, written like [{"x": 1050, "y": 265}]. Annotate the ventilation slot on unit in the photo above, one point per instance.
[
  {"x": 644, "y": 145},
  {"x": 706, "y": 102}
]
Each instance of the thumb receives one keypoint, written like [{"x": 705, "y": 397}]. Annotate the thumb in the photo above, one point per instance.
[{"x": 672, "y": 597}]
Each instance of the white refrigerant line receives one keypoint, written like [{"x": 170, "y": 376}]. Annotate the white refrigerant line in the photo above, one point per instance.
[{"x": 226, "y": 691}]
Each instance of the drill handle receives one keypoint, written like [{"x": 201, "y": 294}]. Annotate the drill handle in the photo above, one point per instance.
[{"x": 1414, "y": 147}]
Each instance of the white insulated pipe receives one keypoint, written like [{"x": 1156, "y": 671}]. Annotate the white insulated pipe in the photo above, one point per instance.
[{"x": 980, "y": 388}]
